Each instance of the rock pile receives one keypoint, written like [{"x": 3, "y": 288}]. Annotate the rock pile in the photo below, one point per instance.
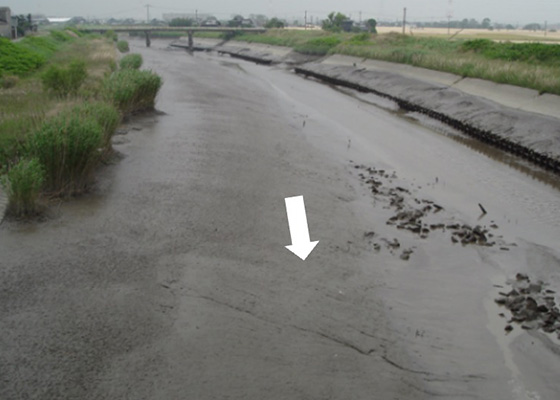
[
  {"x": 411, "y": 213},
  {"x": 531, "y": 305}
]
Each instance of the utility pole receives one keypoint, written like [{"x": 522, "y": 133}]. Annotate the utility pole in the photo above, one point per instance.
[
  {"x": 305, "y": 19},
  {"x": 360, "y": 18},
  {"x": 404, "y": 21},
  {"x": 196, "y": 17},
  {"x": 148, "y": 13}
]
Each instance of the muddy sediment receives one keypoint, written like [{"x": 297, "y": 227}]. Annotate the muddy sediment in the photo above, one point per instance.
[
  {"x": 531, "y": 136},
  {"x": 528, "y": 135}
]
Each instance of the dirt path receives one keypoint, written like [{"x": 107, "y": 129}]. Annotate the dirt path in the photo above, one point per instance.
[{"x": 172, "y": 280}]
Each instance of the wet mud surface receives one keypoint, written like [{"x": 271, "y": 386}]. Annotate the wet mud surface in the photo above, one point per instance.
[
  {"x": 171, "y": 279},
  {"x": 527, "y": 135}
]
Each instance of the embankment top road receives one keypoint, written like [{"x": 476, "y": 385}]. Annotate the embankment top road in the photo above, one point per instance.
[{"x": 171, "y": 280}]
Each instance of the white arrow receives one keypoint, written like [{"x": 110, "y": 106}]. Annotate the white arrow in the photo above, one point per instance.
[{"x": 299, "y": 231}]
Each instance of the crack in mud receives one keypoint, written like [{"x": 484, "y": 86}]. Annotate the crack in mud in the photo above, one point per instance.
[{"x": 331, "y": 338}]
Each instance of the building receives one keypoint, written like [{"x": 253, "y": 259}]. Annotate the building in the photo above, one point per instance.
[{"x": 6, "y": 22}]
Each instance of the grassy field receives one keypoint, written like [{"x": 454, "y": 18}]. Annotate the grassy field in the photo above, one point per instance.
[
  {"x": 529, "y": 64},
  {"x": 62, "y": 97}
]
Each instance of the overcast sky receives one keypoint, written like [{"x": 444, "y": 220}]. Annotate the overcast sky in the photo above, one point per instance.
[{"x": 509, "y": 11}]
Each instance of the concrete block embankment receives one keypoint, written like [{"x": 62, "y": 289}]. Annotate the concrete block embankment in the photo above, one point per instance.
[
  {"x": 255, "y": 52},
  {"x": 535, "y": 137}
]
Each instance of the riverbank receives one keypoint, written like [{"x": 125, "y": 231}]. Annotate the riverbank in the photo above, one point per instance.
[
  {"x": 518, "y": 120},
  {"x": 58, "y": 114}
]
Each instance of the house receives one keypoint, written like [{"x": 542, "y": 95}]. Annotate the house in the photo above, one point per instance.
[{"x": 6, "y": 22}]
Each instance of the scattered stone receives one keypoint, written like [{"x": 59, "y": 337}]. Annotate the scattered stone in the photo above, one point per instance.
[
  {"x": 508, "y": 328},
  {"x": 530, "y": 305},
  {"x": 406, "y": 254},
  {"x": 369, "y": 234}
]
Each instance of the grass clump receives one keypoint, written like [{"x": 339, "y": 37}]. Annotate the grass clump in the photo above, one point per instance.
[
  {"x": 131, "y": 90},
  {"x": 527, "y": 52},
  {"x": 111, "y": 35},
  {"x": 105, "y": 114},
  {"x": 64, "y": 81},
  {"x": 131, "y": 61},
  {"x": 23, "y": 182},
  {"x": 318, "y": 46},
  {"x": 67, "y": 146},
  {"x": 123, "y": 47},
  {"x": 8, "y": 81}
]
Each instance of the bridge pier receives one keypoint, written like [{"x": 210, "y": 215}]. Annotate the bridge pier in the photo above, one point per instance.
[
  {"x": 148, "y": 41},
  {"x": 191, "y": 44}
]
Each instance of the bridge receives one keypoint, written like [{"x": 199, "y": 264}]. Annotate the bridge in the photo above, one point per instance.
[{"x": 188, "y": 30}]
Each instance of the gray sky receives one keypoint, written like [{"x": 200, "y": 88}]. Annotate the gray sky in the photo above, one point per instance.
[{"x": 509, "y": 11}]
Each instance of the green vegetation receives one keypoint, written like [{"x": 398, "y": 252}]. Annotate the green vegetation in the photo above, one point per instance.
[
  {"x": 16, "y": 59},
  {"x": 318, "y": 46},
  {"x": 111, "y": 35},
  {"x": 67, "y": 148},
  {"x": 535, "y": 53},
  {"x": 65, "y": 81},
  {"x": 131, "y": 61},
  {"x": 181, "y": 22},
  {"x": 123, "y": 47},
  {"x": 105, "y": 114},
  {"x": 530, "y": 65},
  {"x": 334, "y": 22},
  {"x": 52, "y": 144},
  {"x": 23, "y": 184},
  {"x": 286, "y": 37},
  {"x": 275, "y": 23},
  {"x": 131, "y": 90}
]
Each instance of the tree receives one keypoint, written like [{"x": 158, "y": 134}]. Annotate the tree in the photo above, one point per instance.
[
  {"x": 181, "y": 22},
  {"x": 23, "y": 24},
  {"x": 485, "y": 23},
  {"x": 334, "y": 22},
  {"x": 274, "y": 23},
  {"x": 259, "y": 19},
  {"x": 532, "y": 27},
  {"x": 236, "y": 21},
  {"x": 371, "y": 25}
]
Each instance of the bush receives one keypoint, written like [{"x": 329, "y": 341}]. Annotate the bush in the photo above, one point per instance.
[
  {"x": 61, "y": 36},
  {"x": 131, "y": 90},
  {"x": 9, "y": 81},
  {"x": 525, "y": 52},
  {"x": 111, "y": 35},
  {"x": 67, "y": 148},
  {"x": 318, "y": 46},
  {"x": 131, "y": 61},
  {"x": 360, "y": 38},
  {"x": 105, "y": 114},
  {"x": 122, "y": 45},
  {"x": 23, "y": 184},
  {"x": 16, "y": 59},
  {"x": 65, "y": 81}
]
